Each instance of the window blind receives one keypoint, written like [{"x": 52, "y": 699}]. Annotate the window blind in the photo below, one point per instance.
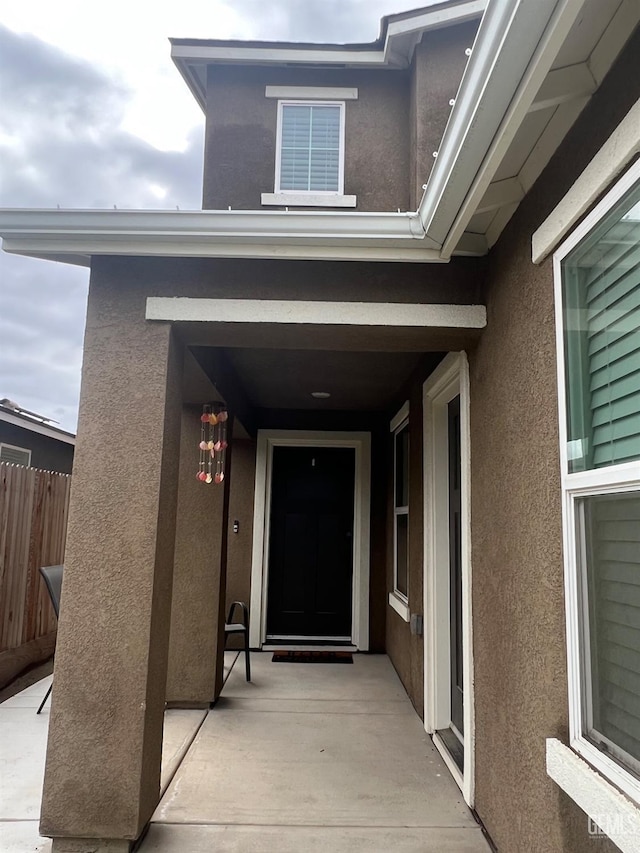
[
  {"x": 612, "y": 530},
  {"x": 603, "y": 346},
  {"x": 613, "y": 348},
  {"x": 310, "y": 147},
  {"x": 15, "y": 455}
]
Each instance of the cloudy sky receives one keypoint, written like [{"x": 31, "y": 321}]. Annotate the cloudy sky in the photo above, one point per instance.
[{"x": 94, "y": 114}]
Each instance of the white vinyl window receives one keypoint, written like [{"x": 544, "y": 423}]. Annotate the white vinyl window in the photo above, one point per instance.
[
  {"x": 15, "y": 455},
  {"x": 310, "y": 147},
  {"x": 597, "y": 276}
]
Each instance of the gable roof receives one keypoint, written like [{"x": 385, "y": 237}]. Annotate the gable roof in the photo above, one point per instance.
[
  {"x": 9, "y": 415},
  {"x": 399, "y": 34}
]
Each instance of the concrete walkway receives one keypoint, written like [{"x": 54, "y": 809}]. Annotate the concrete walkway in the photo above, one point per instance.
[
  {"x": 313, "y": 757},
  {"x": 306, "y": 758}
]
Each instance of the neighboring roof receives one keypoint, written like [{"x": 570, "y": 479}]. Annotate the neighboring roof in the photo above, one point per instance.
[
  {"x": 399, "y": 34},
  {"x": 532, "y": 70},
  {"x": 16, "y": 417}
]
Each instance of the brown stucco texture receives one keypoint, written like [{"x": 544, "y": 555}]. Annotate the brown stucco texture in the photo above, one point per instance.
[
  {"x": 196, "y": 578},
  {"x": 459, "y": 282},
  {"x": 240, "y": 141},
  {"x": 518, "y": 601},
  {"x": 103, "y": 758},
  {"x": 439, "y": 61},
  {"x": 239, "y": 545}
]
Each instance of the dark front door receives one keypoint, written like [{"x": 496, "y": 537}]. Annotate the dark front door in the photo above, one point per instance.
[
  {"x": 311, "y": 542},
  {"x": 455, "y": 565}
]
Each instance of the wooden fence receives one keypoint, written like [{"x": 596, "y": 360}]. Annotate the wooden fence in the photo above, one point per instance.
[{"x": 33, "y": 525}]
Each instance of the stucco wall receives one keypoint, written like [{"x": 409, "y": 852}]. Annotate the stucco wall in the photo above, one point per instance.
[
  {"x": 518, "y": 597},
  {"x": 459, "y": 282},
  {"x": 438, "y": 64},
  {"x": 239, "y": 544},
  {"x": 240, "y": 141}
]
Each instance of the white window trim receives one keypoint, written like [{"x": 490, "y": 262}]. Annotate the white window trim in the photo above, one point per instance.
[
  {"x": 15, "y": 447},
  {"x": 288, "y": 198},
  {"x": 450, "y": 378},
  {"x": 267, "y": 440},
  {"x": 308, "y": 198},
  {"x": 397, "y": 599},
  {"x": 575, "y": 486}
]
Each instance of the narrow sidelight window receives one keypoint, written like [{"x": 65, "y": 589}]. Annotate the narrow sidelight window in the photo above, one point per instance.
[{"x": 401, "y": 509}]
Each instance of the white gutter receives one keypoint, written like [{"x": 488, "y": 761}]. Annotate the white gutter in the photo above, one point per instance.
[
  {"x": 79, "y": 234},
  {"x": 515, "y": 47}
]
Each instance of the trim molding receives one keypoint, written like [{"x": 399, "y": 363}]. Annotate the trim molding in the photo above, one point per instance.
[
  {"x": 291, "y": 199},
  {"x": 615, "y": 815},
  {"x": 400, "y": 606},
  {"x": 323, "y": 93},
  {"x": 267, "y": 440},
  {"x": 450, "y": 378},
  {"x": 617, "y": 152},
  {"x": 301, "y": 312}
]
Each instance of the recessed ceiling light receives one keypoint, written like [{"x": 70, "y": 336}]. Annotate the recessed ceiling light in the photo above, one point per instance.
[{"x": 320, "y": 395}]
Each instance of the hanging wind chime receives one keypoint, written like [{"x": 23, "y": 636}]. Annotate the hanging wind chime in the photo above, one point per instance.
[{"x": 213, "y": 445}]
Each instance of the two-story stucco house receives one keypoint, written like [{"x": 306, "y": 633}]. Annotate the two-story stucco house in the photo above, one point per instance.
[{"x": 415, "y": 284}]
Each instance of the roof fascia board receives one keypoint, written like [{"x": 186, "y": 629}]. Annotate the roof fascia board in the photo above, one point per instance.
[
  {"x": 80, "y": 252},
  {"x": 204, "y": 54},
  {"x": 444, "y": 16},
  {"x": 34, "y": 426},
  {"x": 514, "y": 48}
]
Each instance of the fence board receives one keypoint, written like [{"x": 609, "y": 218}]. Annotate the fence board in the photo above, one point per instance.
[{"x": 34, "y": 509}]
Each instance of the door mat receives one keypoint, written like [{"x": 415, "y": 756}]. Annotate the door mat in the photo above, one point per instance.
[{"x": 312, "y": 657}]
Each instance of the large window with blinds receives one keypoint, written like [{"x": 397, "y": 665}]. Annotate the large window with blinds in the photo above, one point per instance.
[
  {"x": 598, "y": 304},
  {"x": 310, "y": 147}
]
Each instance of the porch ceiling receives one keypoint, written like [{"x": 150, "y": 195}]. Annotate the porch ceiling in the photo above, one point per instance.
[{"x": 357, "y": 381}]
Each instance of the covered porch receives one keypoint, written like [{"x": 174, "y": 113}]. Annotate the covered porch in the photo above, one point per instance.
[
  {"x": 154, "y": 555},
  {"x": 307, "y": 757}
]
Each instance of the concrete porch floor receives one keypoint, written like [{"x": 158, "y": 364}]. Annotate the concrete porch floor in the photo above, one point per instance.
[{"x": 308, "y": 757}]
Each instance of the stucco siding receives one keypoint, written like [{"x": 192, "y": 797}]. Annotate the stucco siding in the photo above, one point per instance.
[
  {"x": 240, "y": 143},
  {"x": 518, "y": 592}
]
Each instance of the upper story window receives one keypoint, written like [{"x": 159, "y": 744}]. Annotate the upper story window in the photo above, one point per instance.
[
  {"x": 310, "y": 147},
  {"x": 598, "y": 303}
]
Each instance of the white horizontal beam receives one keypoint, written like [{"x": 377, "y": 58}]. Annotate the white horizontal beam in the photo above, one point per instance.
[
  {"x": 324, "y": 93},
  {"x": 564, "y": 84},
  {"x": 300, "y": 312}
]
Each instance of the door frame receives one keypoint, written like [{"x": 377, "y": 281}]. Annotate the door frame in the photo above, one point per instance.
[
  {"x": 449, "y": 379},
  {"x": 267, "y": 440}
]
